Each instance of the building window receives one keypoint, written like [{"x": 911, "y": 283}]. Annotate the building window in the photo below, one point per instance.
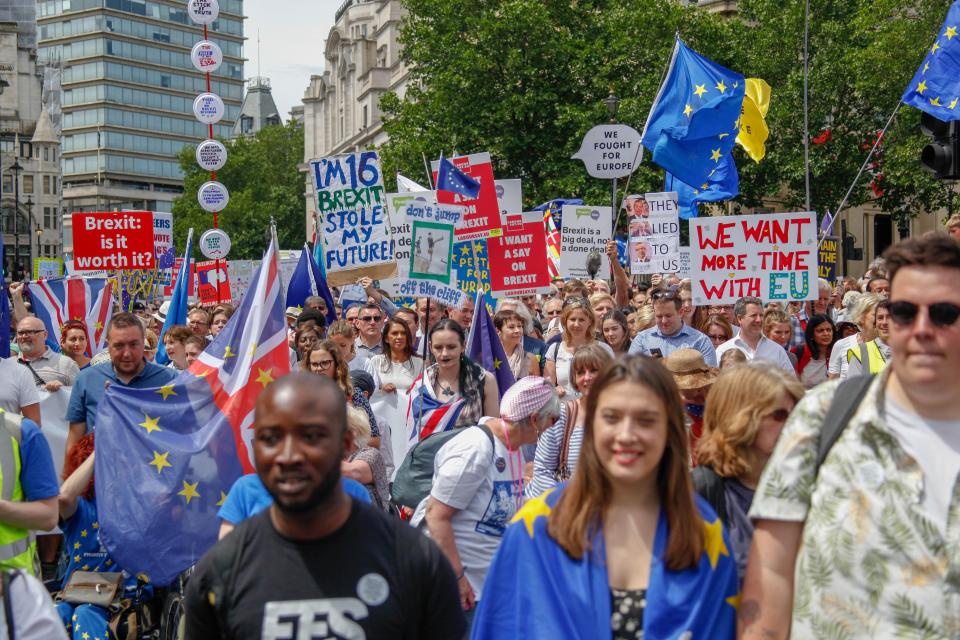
[
  {"x": 46, "y": 185},
  {"x": 246, "y": 124},
  {"x": 165, "y": 81},
  {"x": 8, "y": 184},
  {"x": 46, "y": 154},
  {"x": 46, "y": 217},
  {"x": 28, "y": 184},
  {"x": 365, "y": 107}
]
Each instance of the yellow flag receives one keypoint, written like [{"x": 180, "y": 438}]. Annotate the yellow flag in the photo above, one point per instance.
[{"x": 753, "y": 129}]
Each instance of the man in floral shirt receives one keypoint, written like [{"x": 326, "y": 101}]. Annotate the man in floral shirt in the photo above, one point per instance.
[{"x": 868, "y": 546}]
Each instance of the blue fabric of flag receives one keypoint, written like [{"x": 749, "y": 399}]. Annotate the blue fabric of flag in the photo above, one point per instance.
[
  {"x": 695, "y": 117},
  {"x": 935, "y": 87},
  {"x": 534, "y": 589},
  {"x": 179, "y": 301},
  {"x": 449, "y": 178},
  {"x": 307, "y": 281},
  {"x": 555, "y": 207},
  {"x": 722, "y": 184},
  {"x": 485, "y": 348}
]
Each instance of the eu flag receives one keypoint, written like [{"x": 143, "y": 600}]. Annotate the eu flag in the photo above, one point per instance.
[
  {"x": 179, "y": 300},
  {"x": 935, "y": 87},
  {"x": 449, "y": 178},
  {"x": 694, "y": 120},
  {"x": 485, "y": 348},
  {"x": 166, "y": 457},
  {"x": 722, "y": 184},
  {"x": 306, "y": 281}
]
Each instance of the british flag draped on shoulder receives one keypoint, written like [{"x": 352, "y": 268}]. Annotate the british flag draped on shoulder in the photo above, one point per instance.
[
  {"x": 427, "y": 415},
  {"x": 88, "y": 300}
]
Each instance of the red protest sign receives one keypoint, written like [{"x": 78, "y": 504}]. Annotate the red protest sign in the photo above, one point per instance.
[
  {"x": 213, "y": 283},
  {"x": 168, "y": 288},
  {"x": 483, "y": 213},
  {"x": 114, "y": 241},
  {"x": 518, "y": 258}
]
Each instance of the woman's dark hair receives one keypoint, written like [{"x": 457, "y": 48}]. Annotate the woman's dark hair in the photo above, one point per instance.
[
  {"x": 468, "y": 368},
  {"x": 385, "y": 342},
  {"x": 619, "y": 318},
  {"x": 812, "y": 325}
]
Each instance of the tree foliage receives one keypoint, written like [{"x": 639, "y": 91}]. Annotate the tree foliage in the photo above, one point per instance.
[{"x": 263, "y": 180}]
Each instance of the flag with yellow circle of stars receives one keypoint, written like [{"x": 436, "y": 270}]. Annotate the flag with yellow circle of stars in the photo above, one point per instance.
[
  {"x": 935, "y": 87},
  {"x": 722, "y": 184},
  {"x": 484, "y": 346},
  {"x": 532, "y": 578},
  {"x": 166, "y": 457},
  {"x": 694, "y": 120}
]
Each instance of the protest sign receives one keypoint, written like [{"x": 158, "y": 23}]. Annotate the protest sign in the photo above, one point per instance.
[
  {"x": 584, "y": 233},
  {"x": 213, "y": 282},
  {"x": 483, "y": 212},
  {"x": 827, "y": 256},
  {"x": 356, "y": 229},
  {"x": 610, "y": 150},
  {"x": 350, "y": 295},
  {"x": 470, "y": 275},
  {"x": 683, "y": 267},
  {"x": 112, "y": 240},
  {"x": 518, "y": 257},
  {"x": 431, "y": 227},
  {"x": 47, "y": 268},
  {"x": 241, "y": 273},
  {"x": 771, "y": 256},
  {"x": 164, "y": 248},
  {"x": 654, "y": 229},
  {"x": 509, "y": 195},
  {"x": 401, "y": 233}
]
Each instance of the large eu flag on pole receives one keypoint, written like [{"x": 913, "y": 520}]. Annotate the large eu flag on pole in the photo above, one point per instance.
[
  {"x": 935, "y": 88},
  {"x": 166, "y": 457},
  {"x": 484, "y": 346},
  {"x": 694, "y": 119},
  {"x": 307, "y": 281},
  {"x": 722, "y": 184},
  {"x": 179, "y": 300}
]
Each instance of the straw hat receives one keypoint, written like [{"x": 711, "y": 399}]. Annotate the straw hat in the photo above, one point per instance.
[{"x": 689, "y": 369}]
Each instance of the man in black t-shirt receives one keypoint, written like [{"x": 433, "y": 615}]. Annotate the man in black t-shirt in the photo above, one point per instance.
[{"x": 318, "y": 564}]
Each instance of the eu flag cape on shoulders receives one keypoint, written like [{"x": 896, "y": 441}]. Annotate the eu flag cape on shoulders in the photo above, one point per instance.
[{"x": 534, "y": 589}]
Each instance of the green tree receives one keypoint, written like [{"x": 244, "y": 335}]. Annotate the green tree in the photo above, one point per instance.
[{"x": 262, "y": 178}]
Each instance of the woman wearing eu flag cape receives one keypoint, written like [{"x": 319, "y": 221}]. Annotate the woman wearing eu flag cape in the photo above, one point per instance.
[{"x": 625, "y": 549}]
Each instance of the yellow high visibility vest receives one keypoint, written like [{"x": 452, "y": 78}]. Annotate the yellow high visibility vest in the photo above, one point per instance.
[
  {"x": 875, "y": 360},
  {"x": 18, "y": 548}
]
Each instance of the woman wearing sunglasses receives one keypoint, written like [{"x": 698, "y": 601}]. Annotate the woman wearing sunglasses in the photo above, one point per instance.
[{"x": 745, "y": 412}]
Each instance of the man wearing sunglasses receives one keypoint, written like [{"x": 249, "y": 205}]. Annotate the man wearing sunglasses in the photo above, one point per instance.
[
  {"x": 370, "y": 331},
  {"x": 871, "y": 535}
]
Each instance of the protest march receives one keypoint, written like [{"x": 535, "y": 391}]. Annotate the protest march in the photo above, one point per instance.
[{"x": 454, "y": 414}]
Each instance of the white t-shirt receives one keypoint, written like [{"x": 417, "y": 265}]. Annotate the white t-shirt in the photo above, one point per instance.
[
  {"x": 935, "y": 446},
  {"x": 767, "y": 349},
  {"x": 18, "y": 389},
  {"x": 838, "y": 357},
  {"x": 470, "y": 476},
  {"x": 563, "y": 358}
]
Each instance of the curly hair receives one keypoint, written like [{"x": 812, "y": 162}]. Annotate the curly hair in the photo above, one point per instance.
[{"x": 79, "y": 452}]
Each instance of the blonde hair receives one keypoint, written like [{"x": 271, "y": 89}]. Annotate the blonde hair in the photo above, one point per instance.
[
  {"x": 568, "y": 309},
  {"x": 863, "y": 307},
  {"x": 599, "y": 296},
  {"x": 645, "y": 317},
  {"x": 772, "y": 317},
  {"x": 953, "y": 221},
  {"x": 358, "y": 424},
  {"x": 736, "y": 405},
  {"x": 732, "y": 357}
]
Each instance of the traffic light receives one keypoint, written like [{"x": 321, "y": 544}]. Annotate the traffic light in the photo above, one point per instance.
[{"x": 942, "y": 156}]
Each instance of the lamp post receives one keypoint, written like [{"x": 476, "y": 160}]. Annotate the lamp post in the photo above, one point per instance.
[
  {"x": 613, "y": 105},
  {"x": 16, "y": 168},
  {"x": 29, "y": 206}
]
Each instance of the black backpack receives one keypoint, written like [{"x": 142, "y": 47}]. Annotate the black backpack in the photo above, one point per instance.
[{"x": 415, "y": 474}]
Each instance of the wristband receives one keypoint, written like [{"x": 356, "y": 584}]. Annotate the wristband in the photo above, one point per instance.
[{"x": 460, "y": 577}]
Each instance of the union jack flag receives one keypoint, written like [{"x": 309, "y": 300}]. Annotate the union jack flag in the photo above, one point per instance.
[
  {"x": 553, "y": 243},
  {"x": 89, "y": 300},
  {"x": 426, "y": 415}
]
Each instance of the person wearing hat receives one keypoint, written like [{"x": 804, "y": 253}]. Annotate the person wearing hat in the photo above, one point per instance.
[
  {"x": 478, "y": 483},
  {"x": 694, "y": 378}
]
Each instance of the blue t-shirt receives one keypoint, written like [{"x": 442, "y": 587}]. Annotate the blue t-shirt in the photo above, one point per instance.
[
  {"x": 92, "y": 382},
  {"x": 248, "y": 497},
  {"x": 38, "y": 476}
]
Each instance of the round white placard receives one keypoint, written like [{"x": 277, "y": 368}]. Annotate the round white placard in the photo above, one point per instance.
[
  {"x": 211, "y": 155},
  {"x": 206, "y": 56},
  {"x": 212, "y": 196},
  {"x": 208, "y": 108},
  {"x": 203, "y": 11},
  {"x": 214, "y": 244}
]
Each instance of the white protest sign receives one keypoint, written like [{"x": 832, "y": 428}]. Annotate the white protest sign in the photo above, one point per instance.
[
  {"x": 211, "y": 155},
  {"x": 610, "y": 150},
  {"x": 203, "y": 11},
  {"x": 683, "y": 272},
  {"x": 213, "y": 196},
  {"x": 432, "y": 227},
  {"x": 771, "y": 256},
  {"x": 509, "y": 195},
  {"x": 208, "y": 108},
  {"x": 585, "y": 231},
  {"x": 354, "y": 221},
  {"x": 206, "y": 56},
  {"x": 654, "y": 228},
  {"x": 241, "y": 273},
  {"x": 401, "y": 232},
  {"x": 214, "y": 244}
]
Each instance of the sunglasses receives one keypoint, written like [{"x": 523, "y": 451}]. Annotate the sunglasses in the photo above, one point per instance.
[
  {"x": 580, "y": 302},
  {"x": 780, "y": 415},
  {"x": 718, "y": 337},
  {"x": 370, "y": 319},
  {"x": 664, "y": 294},
  {"x": 942, "y": 314}
]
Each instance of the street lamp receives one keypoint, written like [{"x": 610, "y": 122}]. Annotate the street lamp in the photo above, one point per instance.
[
  {"x": 613, "y": 105},
  {"x": 29, "y": 206},
  {"x": 16, "y": 168}
]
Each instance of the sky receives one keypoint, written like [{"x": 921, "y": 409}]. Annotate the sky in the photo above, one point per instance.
[{"x": 292, "y": 35}]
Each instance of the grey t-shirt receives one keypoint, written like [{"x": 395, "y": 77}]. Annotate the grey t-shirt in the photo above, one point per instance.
[{"x": 738, "y": 499}]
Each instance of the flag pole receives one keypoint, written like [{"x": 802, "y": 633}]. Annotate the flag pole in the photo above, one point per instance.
[
  {"x": 426, "y": 168},
  {"x": 806, "y": 109}
]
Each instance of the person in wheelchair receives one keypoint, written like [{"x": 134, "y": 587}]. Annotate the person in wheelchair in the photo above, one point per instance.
[{"x": 95, "y": 591}]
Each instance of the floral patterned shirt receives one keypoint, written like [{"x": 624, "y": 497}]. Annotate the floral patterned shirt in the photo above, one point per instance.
[{"x": 871, "y": 563}]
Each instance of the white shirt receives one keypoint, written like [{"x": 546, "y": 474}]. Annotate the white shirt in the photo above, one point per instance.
[
  {"x": 471, "y": 476},
  {"x": 838, "y": 357},
  {"x": 34, "y": 614},
  {"x": 18, "y": 389},
  {"x": 767, "y": 349}
]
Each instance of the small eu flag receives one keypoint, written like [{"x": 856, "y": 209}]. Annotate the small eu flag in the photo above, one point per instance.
[
  {"x": 695, "y": 117},
  {"x": 722, "y": 184},
  {"x": 935, "y": 87},
  {"x": 307, "y": 281},
  {"x": 484, "y": 346},
  {"x": 449, "y": 178}
]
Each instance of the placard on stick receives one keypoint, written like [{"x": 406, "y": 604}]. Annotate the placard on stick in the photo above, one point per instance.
[
  {"x": 518, "y": 257},
  {"x": 113, "y": 241},
  {"x": 586, "y": 230}
]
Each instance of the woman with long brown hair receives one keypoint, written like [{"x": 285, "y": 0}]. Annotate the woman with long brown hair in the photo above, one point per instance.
[{"x": 625, "y": 550}]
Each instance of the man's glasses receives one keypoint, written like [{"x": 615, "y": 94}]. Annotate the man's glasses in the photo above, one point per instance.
[
  {"x": 23, "y": 333},
  {"x": 942, "y": 314},
  {"x": 370, "y": 318}
]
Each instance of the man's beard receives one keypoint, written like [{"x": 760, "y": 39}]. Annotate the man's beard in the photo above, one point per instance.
[{"x": 321, "y": 495}]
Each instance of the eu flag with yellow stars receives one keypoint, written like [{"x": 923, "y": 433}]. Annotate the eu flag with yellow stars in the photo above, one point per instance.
[
  {"x": 935, "y": 87},
  {"x": 166, "y": 457},
  {"x": 722, "y": 184},
  {"x": 484, "y": 346},
  {"x": 534, "y": 589},
  {"x": 694, "y": 120}
]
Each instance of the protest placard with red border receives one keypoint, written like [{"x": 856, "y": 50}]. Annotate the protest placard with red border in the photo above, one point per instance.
[
  {"x": 518, "y": 257},
  {"x": 213, "y": 283},
  {"x": 483, "y": 213},
  {"x": 113, "y": 241}
]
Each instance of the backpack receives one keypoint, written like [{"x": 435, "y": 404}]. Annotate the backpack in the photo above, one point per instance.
[{"x": 414, "y": 477}]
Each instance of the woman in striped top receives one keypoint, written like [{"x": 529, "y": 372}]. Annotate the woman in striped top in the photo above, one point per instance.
[{"x": 549, "y": 465}]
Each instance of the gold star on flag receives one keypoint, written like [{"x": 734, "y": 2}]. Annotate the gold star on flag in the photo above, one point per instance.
[
  {"x": 922, "y": 87},
  {"x": 228, "y": 353},
  {"x": 715, "y": 546},
  {"x": 76, "y": 545},
  {"x": 265, "y": 378},
  {"x": 76, "y": 558},
  {"x": 951, "y": 31},
  {"x": 85, "y": 567},
  {"x": 166, "y": 391},
  {"x": 687, "y": 110},
  {"x": 533, "y": 509},
  {"x": 736, "y": 84},
  {"x": 190, "y": 492},
  {"x": 734, "y": 601},
  {"x": 160, "y": 460},
  {"x": 98, "y": 325},
  {"x": 700, "y": 90},
  {"x": 715, "y": 156},
  {"x": 935, "y": 102},
  {"x": 85, "y": 635},
  {"x": 477, "y": 247},
  {"x": 936, "y": 45},
  {"x": 464, "y": 250},
  {"x": 496, "y": 363},
  {"x": 95, "y": 525},
  {"x": 723, "y": 135},
  {"x": 253, "y": 350},
  {"x": 150, "y": 424},
  {"x": 953, "y": 103},
  {"x": 926, "y": 66},
  {"x": 721, "y": 87},
  {"x": 223, "y": 498},
  {"x": 83, "y": 534},
  {"x": 705, "y": 186}
]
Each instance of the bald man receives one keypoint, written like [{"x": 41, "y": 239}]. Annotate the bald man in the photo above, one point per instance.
[
  {"x": 49, "y": 369},
  {"x": 317, "y": 562}
]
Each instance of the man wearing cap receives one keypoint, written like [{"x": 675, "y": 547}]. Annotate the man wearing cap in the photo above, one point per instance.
[
  {"x": 478, "y": 483},
  {"x": 694, "y": 379}
]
